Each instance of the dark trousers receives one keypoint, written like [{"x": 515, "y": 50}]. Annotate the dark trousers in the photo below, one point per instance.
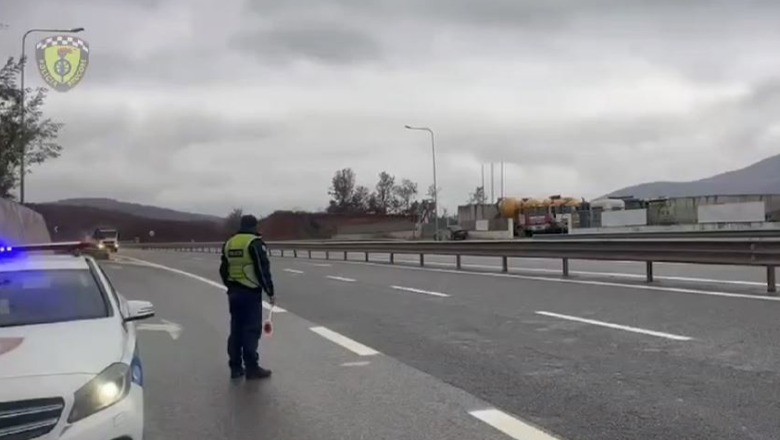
[{"x": 245, "y": 328}]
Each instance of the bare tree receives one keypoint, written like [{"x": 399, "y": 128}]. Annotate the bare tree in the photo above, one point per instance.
[
  {"x": 361, "y": 199},
  {"x": 233, "y": 220},
  {"x": 342, "y": 190},
  {"x": 478, "y": 196},
  {"x": 385, "y": 196},
  {"x": 405, "y": 193}
]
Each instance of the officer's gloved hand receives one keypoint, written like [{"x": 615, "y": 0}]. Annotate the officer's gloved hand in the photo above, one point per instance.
[{"x": 272, "y": 299}]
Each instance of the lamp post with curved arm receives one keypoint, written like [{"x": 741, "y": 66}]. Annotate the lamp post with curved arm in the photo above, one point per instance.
[{"x": 435, "y": 186}]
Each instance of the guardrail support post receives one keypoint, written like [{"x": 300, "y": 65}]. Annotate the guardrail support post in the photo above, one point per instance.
[
  {"x": 327, "y": 255},
  {"x": 771, "y": 286},
  {"x": 422, "y": 260},
  {"x": 649, "y": 271},
  {"x": 281, "y": 251},
  {"x": 457, "y": 262},
  {"x": 345, "y": 255},
  {"x": 295, "y": 253},
  {"x": 309, "y": 255},
  {"x": 366, "y": 257},
  {"x": 504, "y": 264},
  {"x": 566, "y": 267},
  {"x": 392, "y": 258}
]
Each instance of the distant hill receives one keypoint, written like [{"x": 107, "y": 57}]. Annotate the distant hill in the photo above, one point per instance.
[
  {"x": 137, "y": 210},
  {"x": 69, "y": 222},
  {"x": 762, "y": 177}
]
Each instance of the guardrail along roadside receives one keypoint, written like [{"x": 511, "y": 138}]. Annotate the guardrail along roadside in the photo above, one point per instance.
[{"x": 763, "y": 252}]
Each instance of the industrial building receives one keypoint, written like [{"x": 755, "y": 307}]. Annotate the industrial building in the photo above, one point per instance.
[{"x": 635, "y": 215}]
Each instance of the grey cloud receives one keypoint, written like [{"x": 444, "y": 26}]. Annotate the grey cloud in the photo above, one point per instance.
[
  {"x": 532, "y": 13},
  {"x": 728, "y": 129},
  {"x": 155, "y": 134},
  {"x": 177, "y": 66},
  {"x": 441, "y": 50},
  {"x": 317, "y": 40},
  {"x": 518, "y": 11}
]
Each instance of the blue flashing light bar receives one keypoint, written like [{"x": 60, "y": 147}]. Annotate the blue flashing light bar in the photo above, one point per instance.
[{"x": 72, "y": 247}]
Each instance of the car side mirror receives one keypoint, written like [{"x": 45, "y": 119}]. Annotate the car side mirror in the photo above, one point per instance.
[{"x": 138, "y": 310}]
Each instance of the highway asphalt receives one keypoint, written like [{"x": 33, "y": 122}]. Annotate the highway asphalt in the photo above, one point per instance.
[
  {"x": 593, "y": 357},
  {"x": 319, "y": 390}
]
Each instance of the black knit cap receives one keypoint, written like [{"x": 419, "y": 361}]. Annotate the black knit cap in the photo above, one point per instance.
[{"x": 248, "y": 222}]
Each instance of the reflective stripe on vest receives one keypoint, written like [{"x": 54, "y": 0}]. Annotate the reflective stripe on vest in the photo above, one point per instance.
[{"x": 241, "y": 268}]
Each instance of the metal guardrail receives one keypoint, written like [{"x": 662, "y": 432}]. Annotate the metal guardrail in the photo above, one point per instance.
[
  {"x": 721, "y": 251},
  {"x": 716, "y": 233}
]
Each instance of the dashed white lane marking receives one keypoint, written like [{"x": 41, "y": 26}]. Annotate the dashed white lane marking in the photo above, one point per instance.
[
  {"x": 424, "y": 292},
  {"x": 346, "y": 280},
  {"x": 356, "y": 364},
  {"x": 349, "y": 344},
  {"x": 616, "y": 326},
  {"x": 266, "y": 305},
  {"x": 293, "y": 271},
  {"x": 571, "y": 281},
  {"x": 510, "y": 425},
  {"x": 320, "y": 264}
]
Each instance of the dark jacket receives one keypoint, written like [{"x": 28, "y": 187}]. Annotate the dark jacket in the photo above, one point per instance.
[{"x": 259, "y": 256}]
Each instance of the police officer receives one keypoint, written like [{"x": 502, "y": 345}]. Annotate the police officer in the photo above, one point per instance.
[{"x": 246, "y": 272}]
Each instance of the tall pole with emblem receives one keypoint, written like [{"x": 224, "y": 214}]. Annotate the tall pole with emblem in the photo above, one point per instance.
[{"x": 23, "y": 137}]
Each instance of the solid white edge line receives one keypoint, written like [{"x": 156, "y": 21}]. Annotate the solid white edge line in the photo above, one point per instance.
[
  {"x": 346, "y": 280},
  {"x": 266, "y": 305},
  {"x": 424, "y": 292},
  {"x": 616, "y": 326},
  {"x": 571, "y": 281},
  {"x": 510, "y": 425},
  {"x": 339, "y": 339}
]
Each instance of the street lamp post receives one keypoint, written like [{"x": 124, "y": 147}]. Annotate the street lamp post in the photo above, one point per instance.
[
  {"x": 435, "y": 185},
  {"x": 22, "y": 140}
]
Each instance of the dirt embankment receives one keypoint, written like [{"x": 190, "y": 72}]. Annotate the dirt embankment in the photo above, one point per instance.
[
  {"x": 285, "y": 225},
  {"x": 77, "y": 222}
]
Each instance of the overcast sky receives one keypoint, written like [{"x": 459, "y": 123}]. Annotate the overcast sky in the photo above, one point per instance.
[{"x": 207, "y": 105}]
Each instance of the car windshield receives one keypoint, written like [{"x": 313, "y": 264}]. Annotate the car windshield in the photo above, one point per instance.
[
  {"x": 38, "y": 297},
  {"x": 105, "y": 233}
]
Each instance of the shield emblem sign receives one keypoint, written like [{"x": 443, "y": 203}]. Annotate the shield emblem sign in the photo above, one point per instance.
[{"x": 62, "y": 61}]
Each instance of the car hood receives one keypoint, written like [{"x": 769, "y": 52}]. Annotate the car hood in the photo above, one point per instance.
[{"x": 85, "y": 347}]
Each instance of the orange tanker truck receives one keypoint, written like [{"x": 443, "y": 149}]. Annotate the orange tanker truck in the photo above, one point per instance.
[{"x": 539, "y": 216}]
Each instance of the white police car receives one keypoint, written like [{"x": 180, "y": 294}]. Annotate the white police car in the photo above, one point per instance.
[{"x": 69, "y": 364}]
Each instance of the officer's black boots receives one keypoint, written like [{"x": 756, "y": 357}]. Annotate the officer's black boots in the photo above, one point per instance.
[
  {"x": 236, "y": 373},
  {"x": 258, "y": 373}
]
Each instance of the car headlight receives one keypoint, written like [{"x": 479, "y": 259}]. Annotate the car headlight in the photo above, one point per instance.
[
  {"x": 101, "y": 245},
  {"x": 106, "y": 389}
]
